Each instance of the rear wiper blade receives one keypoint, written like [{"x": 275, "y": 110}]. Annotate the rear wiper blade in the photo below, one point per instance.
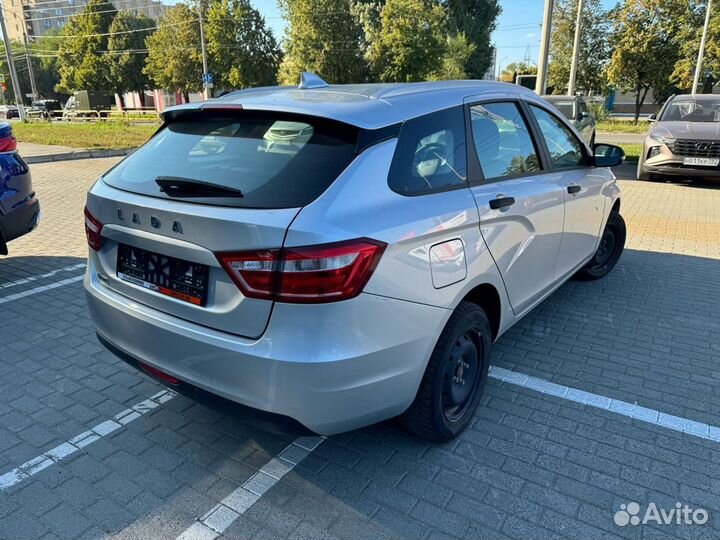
[{"x": 176, "y": 186}]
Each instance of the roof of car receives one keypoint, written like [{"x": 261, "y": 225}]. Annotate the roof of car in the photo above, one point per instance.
[{"x": 368, "y": 106}]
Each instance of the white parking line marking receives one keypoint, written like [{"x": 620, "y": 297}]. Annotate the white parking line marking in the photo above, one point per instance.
[
  {"x": 221, "y": 516},
  {"x": 644, "y": 414},
  {"x": 55, "y": 455},
  {"x": 38, "y": 290},
  {"x": 30, "y": 279}
]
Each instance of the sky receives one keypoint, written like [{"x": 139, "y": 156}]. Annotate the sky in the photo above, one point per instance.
[{"x": 517, "y": 34}]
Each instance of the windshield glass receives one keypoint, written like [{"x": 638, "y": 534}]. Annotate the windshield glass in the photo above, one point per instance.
[
  {"x": 276, "y": 161},
  {"x": 692, "y": 111}
]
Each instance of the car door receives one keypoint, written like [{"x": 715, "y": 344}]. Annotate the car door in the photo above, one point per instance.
[
  {"x": 520, "y": 202},
  {"x": 581, "y": 185}
]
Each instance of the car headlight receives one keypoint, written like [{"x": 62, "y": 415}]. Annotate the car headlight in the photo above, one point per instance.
[{"x": 662, "y": 139}]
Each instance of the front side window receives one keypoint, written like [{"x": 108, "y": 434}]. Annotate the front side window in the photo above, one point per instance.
[
  {"x": 565, "y": 149},
  {"x": 430, "y": 154},
  {"x": 502, "y": 141}
]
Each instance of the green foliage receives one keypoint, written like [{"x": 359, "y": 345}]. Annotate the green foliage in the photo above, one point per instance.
[
  {"x": 598, "y": 111},
  {"x": 646, "y": 48},
  {"x": 476, "y": 19},
  {"x": 594, "y": 46},
  {"x": 458, "y": 52},
  {"x": 322, "y": 36},
  {"x": 512, "y": 70},
  {"x": 81, "y": 58},
  {"x": 410, "y": 41},
  {"x": 689, "y": 41},
  {"x": 125, "y": 58},
  {"x": 242, "y": 48},
  {"x": 174, "y": 60}
]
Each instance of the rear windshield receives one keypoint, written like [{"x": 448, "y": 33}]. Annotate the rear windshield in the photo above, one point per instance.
[
  {"x": 567, "y": 108},
  {"x": 274, "y": 160}
]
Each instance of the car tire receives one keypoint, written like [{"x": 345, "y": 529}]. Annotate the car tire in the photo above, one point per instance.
[
  {"x": 609, "y": 250},
  {"x": 454, "y": 379}
]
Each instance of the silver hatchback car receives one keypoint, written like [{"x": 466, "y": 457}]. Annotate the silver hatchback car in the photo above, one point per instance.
[{"x": 346, "y": 254}]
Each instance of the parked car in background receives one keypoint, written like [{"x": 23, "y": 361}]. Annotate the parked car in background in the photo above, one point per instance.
[
  {"x": 45, "y": 108},
  {"x": 9, "y": 111},
  {"x": 19, "y": 207},
  {"x": 576, "y": 110},
  {"x": 345, "y": 254},
  {"x": 683, "y": 139}
]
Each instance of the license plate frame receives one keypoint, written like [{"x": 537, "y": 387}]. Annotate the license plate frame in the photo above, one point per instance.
[
  {"x": 169, "y": 276},
  {"x": 701, "y": 162}
]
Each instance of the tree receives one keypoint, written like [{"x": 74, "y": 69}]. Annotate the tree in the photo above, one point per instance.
[
  {"x": 411, "y": 40},
  {"x": 322, "y": 36},
  {"x": 458, "y": 53},
  {"x": 645, "y": 46},
  {"x": 476, "y": 20},
  {"x": 242, "y": 48},
  {"x": 689, "y": 40},
  {"x": 512, "y": 70},
  {"x": 126, "y": 56},
  {"x": 174, "y": 60},
  {"x": 81, "y": 53},
  {"x": 594, "y": 51}
]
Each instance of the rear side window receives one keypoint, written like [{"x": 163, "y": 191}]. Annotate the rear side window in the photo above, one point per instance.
[
  {"x": 431, "y": 154},
  {"x": 502, "y": 140},
  {"x": 275, "y": 160}
]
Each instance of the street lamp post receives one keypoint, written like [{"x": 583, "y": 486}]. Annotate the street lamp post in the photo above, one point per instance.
[
  {"x": 576, "y": 49},
  {"x": 701, "y": 53}
]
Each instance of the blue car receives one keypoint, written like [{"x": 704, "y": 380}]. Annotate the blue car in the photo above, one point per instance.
[{"x": 19, "y": 208}]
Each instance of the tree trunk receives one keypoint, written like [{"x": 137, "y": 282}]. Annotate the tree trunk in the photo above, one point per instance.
[
  {"x": 121, "y": 99},
  {"x": 141, "y": 95},
  {"x": 640, "y": 95},
  {"x": 186, "y": 96}
]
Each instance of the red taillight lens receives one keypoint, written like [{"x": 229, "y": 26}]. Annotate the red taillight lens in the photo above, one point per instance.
[
  {"x": 93, "y": 231},
  {"x": 316, "y": 274},
  {"x": 8, "y": 143},
  {"x": 159, "y": 374}
]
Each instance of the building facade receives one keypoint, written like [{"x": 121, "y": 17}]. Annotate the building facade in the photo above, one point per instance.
[{"x": 42, "y": 16}]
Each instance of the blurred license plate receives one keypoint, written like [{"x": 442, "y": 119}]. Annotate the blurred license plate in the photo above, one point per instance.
[
  {"x": 180, "y": 279},
  {"x": 701, "y": 161}
]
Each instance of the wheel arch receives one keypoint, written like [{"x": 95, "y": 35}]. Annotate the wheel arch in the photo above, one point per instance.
[
  {"x": 487, "y": 297},
  {"x": 616, "y": 205}
]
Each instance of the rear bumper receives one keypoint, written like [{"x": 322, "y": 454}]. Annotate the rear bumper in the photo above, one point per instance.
[
  {"x": 333, "y": 367},
  {"x": 20, "y": 221}
]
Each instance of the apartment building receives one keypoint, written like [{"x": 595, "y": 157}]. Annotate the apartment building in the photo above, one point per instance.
[{"x": 42, "y": 16}]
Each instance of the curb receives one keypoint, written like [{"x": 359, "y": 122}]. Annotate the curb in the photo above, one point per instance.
[{"x": 80, "y": 154}]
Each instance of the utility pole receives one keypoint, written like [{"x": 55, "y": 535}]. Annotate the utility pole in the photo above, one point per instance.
[
  {"x": 544, "y": 48},
  {"x": 31, "y": 73},
  {"x": 11, "y": 65},
  {"x": 576, "y": 49},
  {"x": 701, "y": 53},
  {"x": 207, "y": 82}
]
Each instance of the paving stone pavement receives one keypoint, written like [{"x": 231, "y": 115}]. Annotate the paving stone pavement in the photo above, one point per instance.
[{"x": 531, "y": 466}]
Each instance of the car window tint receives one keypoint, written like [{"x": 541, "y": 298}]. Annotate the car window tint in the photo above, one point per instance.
[
  {"x": 430, "y": 154},
  {"x": 565, "y": 149},
  {"x": 502, "y": 140}
]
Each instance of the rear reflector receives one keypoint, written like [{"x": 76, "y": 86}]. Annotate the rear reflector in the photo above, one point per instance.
[
  {"x": 159, "y": 374},
  {"x": 93, "y": 231},
  {"x": 306, "y": 275}
]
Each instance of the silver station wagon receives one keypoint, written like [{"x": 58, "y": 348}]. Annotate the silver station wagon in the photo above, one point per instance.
[{"x": 346, "y": 254}]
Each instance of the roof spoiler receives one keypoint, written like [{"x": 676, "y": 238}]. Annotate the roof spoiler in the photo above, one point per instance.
[{"x": 309, "y": 80}]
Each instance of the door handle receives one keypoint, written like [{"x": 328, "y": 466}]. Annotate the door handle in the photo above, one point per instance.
[
  {"x": 502, "y": 202},
  {"x": 574, "y": 188}
]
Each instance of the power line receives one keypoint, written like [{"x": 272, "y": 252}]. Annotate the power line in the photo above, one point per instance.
[
  {"x": 87, "y": 14},
  {"x": 80, "y": 7},
  {"x": 117, "y": 33}
]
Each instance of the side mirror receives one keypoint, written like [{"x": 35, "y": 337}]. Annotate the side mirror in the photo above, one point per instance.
[
  {"x": 584, "y": 115},
  {"x": 608, "y": 155},
  {"x": 652, "y": 118}
]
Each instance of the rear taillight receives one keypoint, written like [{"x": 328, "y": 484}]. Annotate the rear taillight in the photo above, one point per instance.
[
  {"x": 8, "y": 143},
  {"x": 305, "y": 275},
  {"x": 93, "y": 231}
]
